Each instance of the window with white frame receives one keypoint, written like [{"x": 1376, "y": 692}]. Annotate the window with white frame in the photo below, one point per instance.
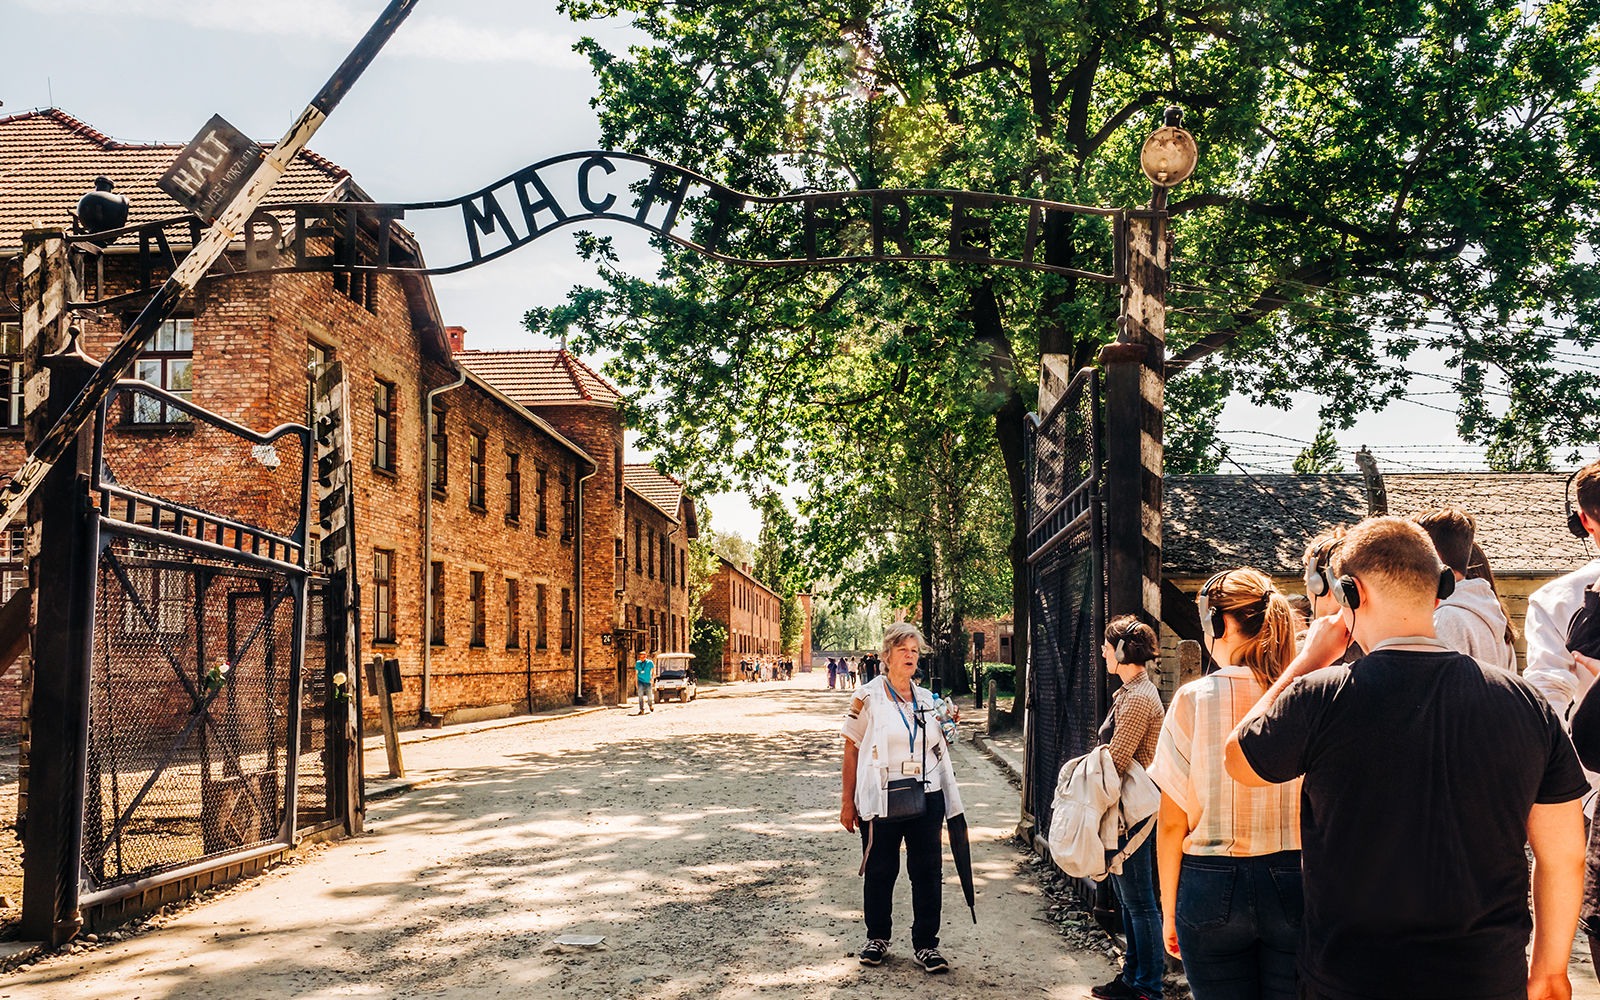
[{"x": 169, "y": 365}]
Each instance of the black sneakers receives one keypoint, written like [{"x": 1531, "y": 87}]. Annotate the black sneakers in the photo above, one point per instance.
[
  {"x": 932, "y": 961},
  {"x": 1117, "y": 989},
  {"x": 874, "y": 952}
]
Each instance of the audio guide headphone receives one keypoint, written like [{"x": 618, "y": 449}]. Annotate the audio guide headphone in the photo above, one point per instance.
[
  {"x": 1317, "y": 580},
  {"x": 1345, "y": 592},
  {"x": 1212, "y": 621},
  {"x": 1122, "y": 652},
  {"x": 1574, "y": 520}
]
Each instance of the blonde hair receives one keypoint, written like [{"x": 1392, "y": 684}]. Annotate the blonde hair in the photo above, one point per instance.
[
  {"x": 899, "y": 632},
  {"x": 1263, "y": 618}
]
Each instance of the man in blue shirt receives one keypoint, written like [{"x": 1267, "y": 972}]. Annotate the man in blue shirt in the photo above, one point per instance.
[{"x": 645, "y": 669}]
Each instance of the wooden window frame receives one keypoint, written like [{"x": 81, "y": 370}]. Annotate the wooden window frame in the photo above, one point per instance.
[
  {"x": 383, "y": 597},
  {"x": 439, "y": 451},
  {"x": 478, "y": 599},
  {"x": 566, "y": 620},
  {"x": 384, "y": 425},
  {"x": 513, "y": 613},
  {"x": 541, "y": 610},
  {"x": 477, "y": 470},
  {"x": 436, "y": 595},
  {"x": 513, "y": 486}
]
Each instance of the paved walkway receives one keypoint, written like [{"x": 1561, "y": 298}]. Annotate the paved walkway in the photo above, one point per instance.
[{"x": 701, "y": 840}]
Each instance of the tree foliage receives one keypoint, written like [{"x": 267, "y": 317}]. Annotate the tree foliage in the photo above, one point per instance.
[
  {"x": 1321, "y": 455},
  {"x": 1375, "y": 178}
]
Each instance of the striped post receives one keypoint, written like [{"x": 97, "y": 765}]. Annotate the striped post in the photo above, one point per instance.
[{"x": 1134, "y": 384}]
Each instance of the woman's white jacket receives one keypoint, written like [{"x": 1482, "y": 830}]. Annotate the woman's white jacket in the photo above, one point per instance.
[{"x": 872, "y": 705}]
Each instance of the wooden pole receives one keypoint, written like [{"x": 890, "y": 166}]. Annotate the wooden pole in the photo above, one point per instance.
[
  {"x": 391, "y": 737},
  {"x": 1134, "y": 391}
]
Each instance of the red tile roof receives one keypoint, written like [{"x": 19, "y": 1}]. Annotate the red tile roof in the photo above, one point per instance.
[
  {"x": 659, "y": 488},
  {"x": 49, "y": 159},
  {"x": 541, "y": 377}
]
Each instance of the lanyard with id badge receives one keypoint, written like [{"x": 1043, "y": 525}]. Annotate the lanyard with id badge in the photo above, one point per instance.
[{"x": 907, "y": 796}]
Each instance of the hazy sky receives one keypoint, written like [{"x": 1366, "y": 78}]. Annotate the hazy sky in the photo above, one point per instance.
[{"x": 464, "y": 94}]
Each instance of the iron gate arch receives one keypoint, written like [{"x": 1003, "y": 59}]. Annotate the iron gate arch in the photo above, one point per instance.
[{"x": 1066, "y": 559}]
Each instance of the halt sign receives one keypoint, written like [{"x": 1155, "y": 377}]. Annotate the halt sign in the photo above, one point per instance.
[{"x": 211, "y": 169}]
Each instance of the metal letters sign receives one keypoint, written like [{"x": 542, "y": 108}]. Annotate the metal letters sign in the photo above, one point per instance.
[
  {"x": 211, "y": 169},
  {"x": 813, "y": 228}
]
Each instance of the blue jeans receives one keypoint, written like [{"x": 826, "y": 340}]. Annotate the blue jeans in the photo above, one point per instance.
[
  {"x": 644, "y": 697},
  {"x": 1238, "y": 925},
  {"x": 1143, "y": 962}
]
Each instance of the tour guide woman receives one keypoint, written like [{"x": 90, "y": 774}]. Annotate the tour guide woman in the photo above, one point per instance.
[{"x": 892, "y": 735}]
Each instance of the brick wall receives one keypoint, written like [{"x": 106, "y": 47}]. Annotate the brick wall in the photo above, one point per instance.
[
  {"x": 251, "y": 336},
  {"x": 655, "y": 591}
]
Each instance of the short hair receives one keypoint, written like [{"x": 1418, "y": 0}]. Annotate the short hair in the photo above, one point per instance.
[
  {"x": 1138, "y": 639},
  {"x": 1586, "y": 485},
  {"x": 1299, "y": 603},
  {"x": 1390, "y": 554},
  {"x": 1452, "y": 530},
  {"x": 899, "y": 632}
]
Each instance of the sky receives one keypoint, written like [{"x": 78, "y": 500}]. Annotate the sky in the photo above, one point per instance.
[{"x": 464, "y": 94}]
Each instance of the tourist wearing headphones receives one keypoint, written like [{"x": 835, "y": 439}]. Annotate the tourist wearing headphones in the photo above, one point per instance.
[
  {"x": 1229, "y": 855},
  {"x": 1319, "y": 585},
  {"x": 1559, "y": 674},
  {"x": 1471, "y": 619},
  {"x": 1424, "y": 775},
  {"x": 1131, "y": 730}
]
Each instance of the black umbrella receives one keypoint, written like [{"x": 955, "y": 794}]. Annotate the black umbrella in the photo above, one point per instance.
[{"x": 961, "y": 850}]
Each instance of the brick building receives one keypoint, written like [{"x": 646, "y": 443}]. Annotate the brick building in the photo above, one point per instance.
[
  {"x": 489, "y": 486},
  {"x": 652, "y": 566},
  {"x": 750, "y": 611}
]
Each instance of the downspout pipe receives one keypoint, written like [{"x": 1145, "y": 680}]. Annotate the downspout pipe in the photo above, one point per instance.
[
  {"x": 577, "y": 586},
  {"x": 425, "y": 711}
]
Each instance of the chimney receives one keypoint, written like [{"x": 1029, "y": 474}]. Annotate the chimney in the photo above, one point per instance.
[
  {"x": 458, "y": 338},
  {"x": 1377, "y": 497}
]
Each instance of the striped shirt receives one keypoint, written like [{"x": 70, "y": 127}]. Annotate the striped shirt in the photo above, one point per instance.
[{"x": 1225, "y": 817}]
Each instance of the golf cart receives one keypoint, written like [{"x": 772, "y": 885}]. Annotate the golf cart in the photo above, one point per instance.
[{"x": 674, "y": 677}]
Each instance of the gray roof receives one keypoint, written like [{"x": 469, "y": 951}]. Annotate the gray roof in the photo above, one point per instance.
[{"x": 1211, "y": 523}]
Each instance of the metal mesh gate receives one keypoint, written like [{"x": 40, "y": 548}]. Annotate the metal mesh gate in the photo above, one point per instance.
[
  {"x": 1066, "y": 681},
  {"x": 189, "y": 698},
  {"x": 211, "y": 733}
]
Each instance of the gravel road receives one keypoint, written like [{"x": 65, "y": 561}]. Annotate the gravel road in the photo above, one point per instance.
[{"x": 702, "y": 840}]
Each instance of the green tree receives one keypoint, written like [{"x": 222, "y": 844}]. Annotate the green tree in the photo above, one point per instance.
[
  {"x": 1375, "y": 178},
  {"x": 1321, "y": 455},
  {"x": 707, "y": 641}
]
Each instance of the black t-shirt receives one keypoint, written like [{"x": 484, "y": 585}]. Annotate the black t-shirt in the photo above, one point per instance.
[{"x": 1420, "y": 771}]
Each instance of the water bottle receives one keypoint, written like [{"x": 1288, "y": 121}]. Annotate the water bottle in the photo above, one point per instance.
[{"x": 947, "y": 725}]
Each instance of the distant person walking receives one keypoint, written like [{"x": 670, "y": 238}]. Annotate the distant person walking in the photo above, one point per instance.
[
  {"x": 833, "y": 672},
  {"x": 644, "y": 671}
]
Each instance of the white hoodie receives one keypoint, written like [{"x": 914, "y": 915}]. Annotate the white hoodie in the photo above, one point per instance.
[
  {"x": 1472, "y": 622},
  {"x": 1551, "y": 668}
]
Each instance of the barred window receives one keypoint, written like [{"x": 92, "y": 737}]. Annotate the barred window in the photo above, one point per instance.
[
  {"x": 477, "y": 461},
  {"x": 652, "y": 549}
]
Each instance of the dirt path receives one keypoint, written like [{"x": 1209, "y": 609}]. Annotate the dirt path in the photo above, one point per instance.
[{"x": 702, "y": 840}]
